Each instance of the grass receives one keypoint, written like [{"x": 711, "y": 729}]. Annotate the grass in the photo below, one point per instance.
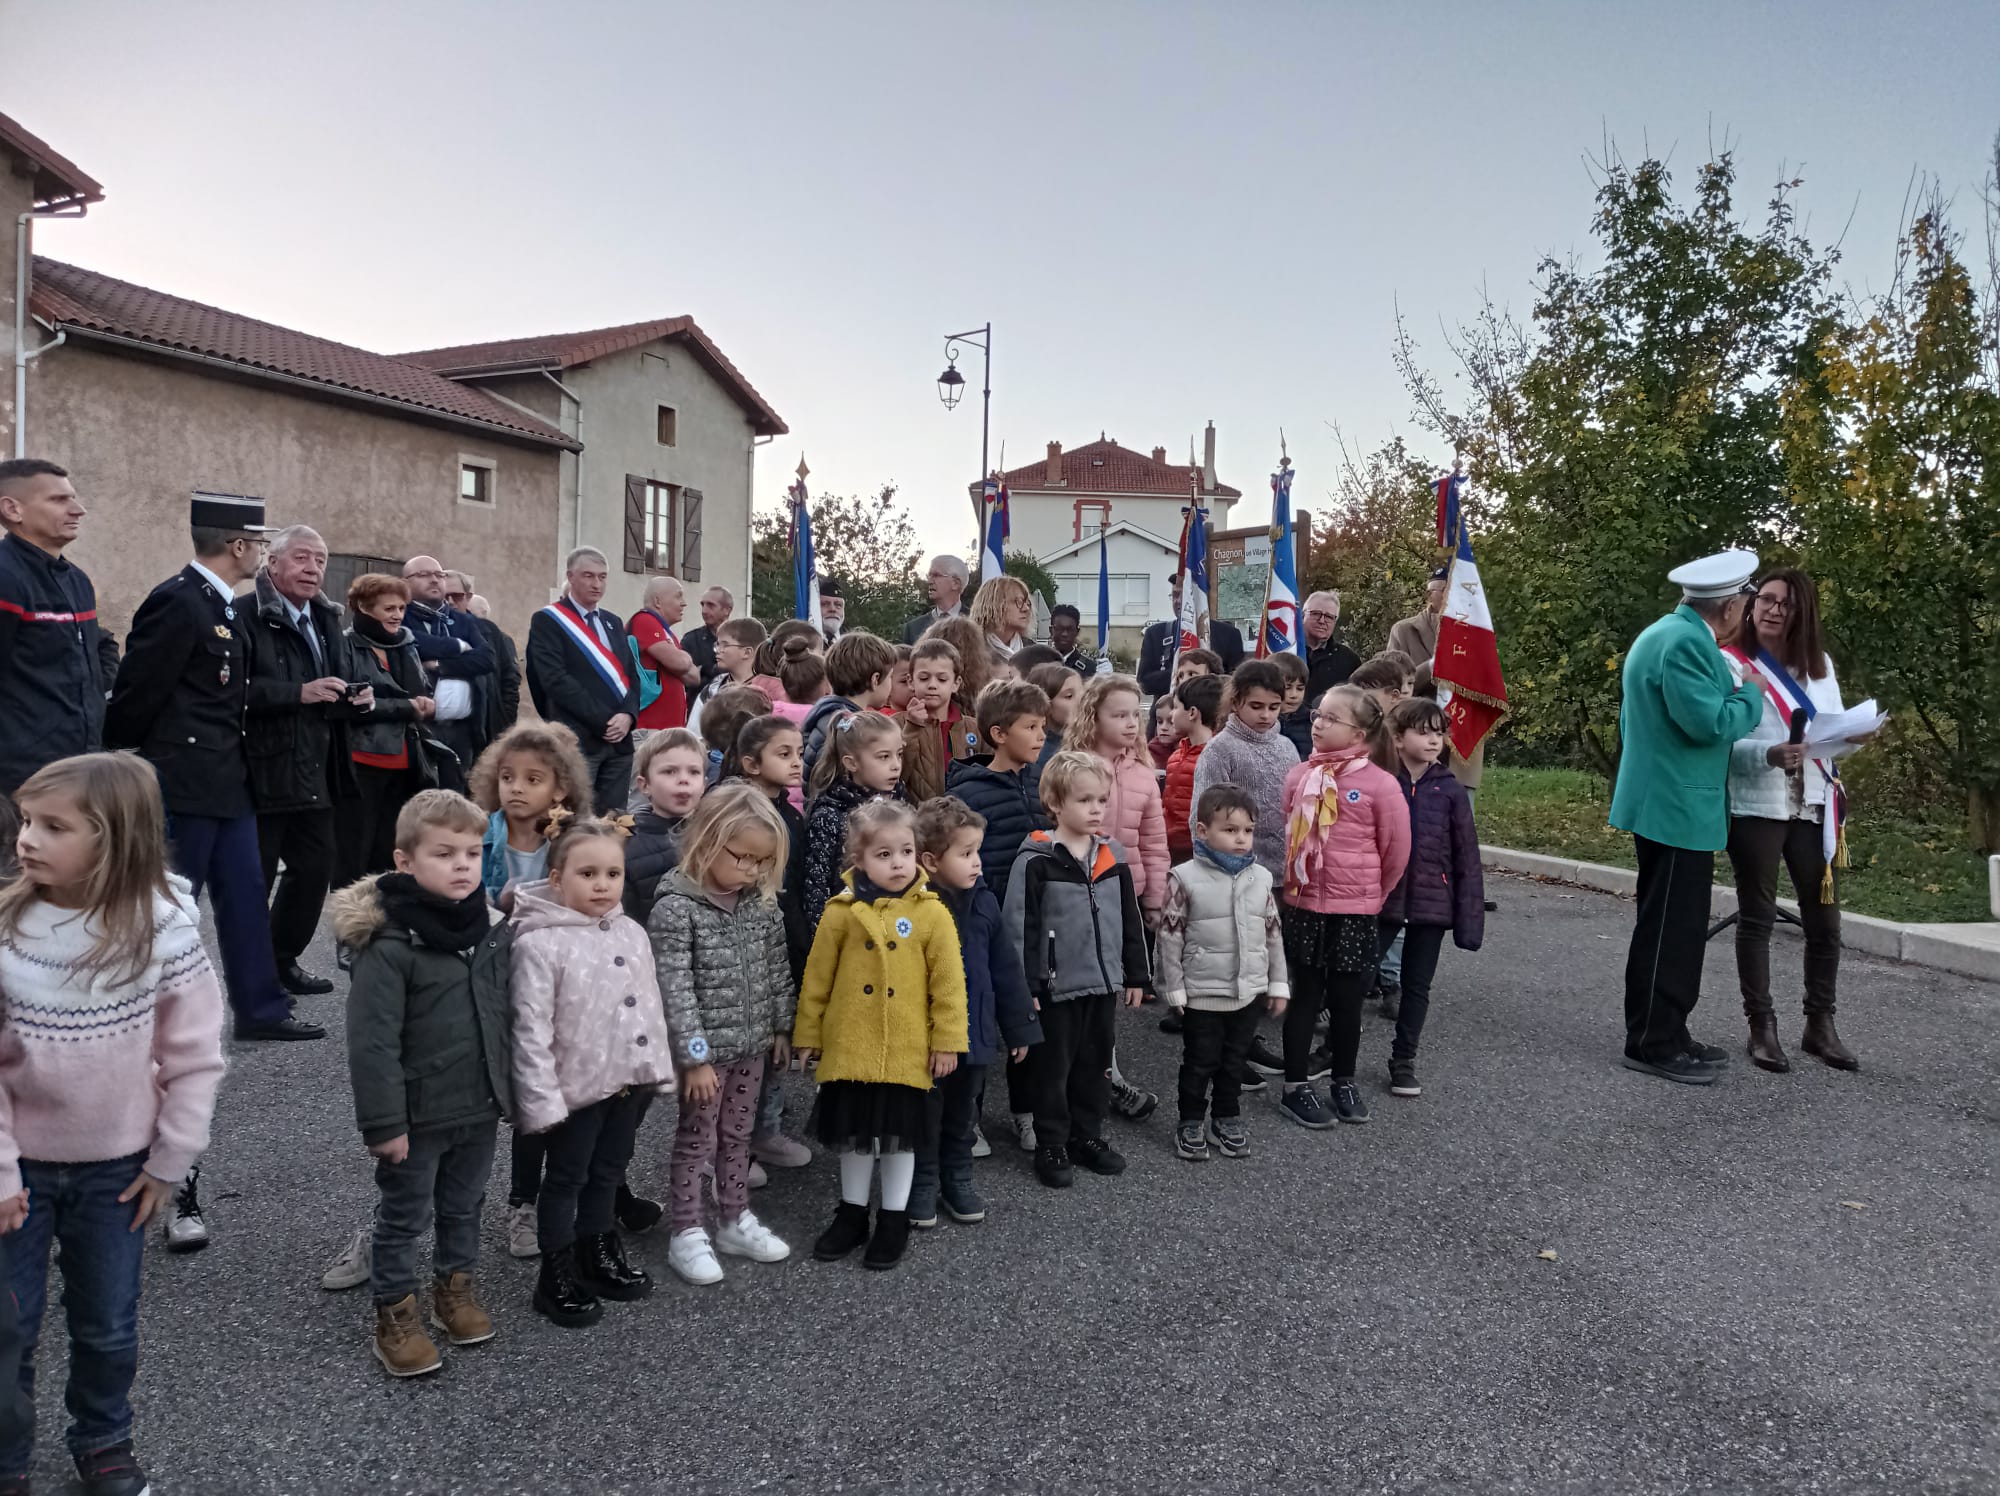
[{"x": 1911, "y": 871}]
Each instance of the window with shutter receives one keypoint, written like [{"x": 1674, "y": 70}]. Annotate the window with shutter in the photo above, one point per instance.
[
  {"x": 690, "y": 535},
  {"x": 635, "y": 523}
]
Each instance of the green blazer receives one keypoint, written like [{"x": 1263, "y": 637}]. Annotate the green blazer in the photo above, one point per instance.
[{"x": 1682, "y": 711}]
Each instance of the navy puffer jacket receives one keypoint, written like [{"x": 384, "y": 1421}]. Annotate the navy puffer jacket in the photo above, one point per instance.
[
  {"x": 1011, "y": 802},
  {"x": 999, "y": 1013},
  {"x": 1442, "y": 884}
]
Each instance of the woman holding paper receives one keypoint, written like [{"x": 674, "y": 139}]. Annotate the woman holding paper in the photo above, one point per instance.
[{"x": 1786, "y": 803}]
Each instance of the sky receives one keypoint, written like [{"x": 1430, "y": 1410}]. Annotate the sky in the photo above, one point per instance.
[{"x": 1171, "y": 213}]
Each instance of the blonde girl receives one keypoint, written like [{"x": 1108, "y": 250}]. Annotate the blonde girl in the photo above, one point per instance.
[
  {"x": 529, "y": 781},
  {"x": 1107, "y": 721},
  {"x": 865, "y": 760},
  {"x": 1003, "y": 610},
  {"x": 884, "y": 1010},
  {"x": 718, "y": 948},
  {"x": 110, "y": 1055},
  {"x": 1064, "y": 688}
]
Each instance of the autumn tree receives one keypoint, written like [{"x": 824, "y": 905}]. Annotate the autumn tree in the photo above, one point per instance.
[
  {"x": 1375, "y": 540},
  {"x": 868, "y": 545}
]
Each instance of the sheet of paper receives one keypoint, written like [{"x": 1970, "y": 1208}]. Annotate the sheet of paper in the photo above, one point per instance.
[{"x": 1835, "y": 731}]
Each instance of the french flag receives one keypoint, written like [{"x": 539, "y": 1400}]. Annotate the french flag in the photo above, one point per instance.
[
  {"x": 1278, "y": 631},
  {"x": 1471, "y": 689}
]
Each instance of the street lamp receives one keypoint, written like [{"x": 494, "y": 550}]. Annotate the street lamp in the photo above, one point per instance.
[{"x": 951, "y": 388}]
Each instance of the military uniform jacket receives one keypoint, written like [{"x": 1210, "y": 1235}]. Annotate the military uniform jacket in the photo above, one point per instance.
[{"x": 181, "y": 694}]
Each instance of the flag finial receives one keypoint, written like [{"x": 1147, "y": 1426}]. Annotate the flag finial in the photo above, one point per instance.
[
  {"x": 1284, "y": 456},
  {"x": 803, "y": 469}
]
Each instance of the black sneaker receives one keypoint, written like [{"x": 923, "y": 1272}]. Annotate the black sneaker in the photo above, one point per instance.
[
  {"x": 1403, "y": 1078},
  {"x": 1252, "y": 1082},
  {"x": 1230, "y": 1136},
  {"x": 112, "y": 1472},
  {"x": 1131, "y": 1103},
  {"x": 343, "y": 957},
  {"x": 1392, "y": 1000},
  {"x": 1052, "y": 1166},
  {"x": 635, "y": 1212},
  {"x": 1708, "y": 1054},
  {"x": 1191, "y": 1143},
  {"x": 1684, "y": 1068},
  {"x": 1303, "y": 1106},
  {"x": 1097, "y": 1156},
  {"x": 1347, "y": 1102},
  {"x": 1319, "y": 1065},
  {"x": 1263, "y": 1059}
]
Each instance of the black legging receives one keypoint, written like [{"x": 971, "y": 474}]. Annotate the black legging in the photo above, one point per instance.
[
  {"x": 364, "y": 832},
  {"x": 1341, "y": 994}
]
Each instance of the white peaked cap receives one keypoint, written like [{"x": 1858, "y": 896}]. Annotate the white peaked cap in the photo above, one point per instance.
[{"x": 1712, "y": 577}]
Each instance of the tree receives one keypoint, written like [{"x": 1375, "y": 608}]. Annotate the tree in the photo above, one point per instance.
[
  {"x": 1377, "y": 542},
  {"x": 869, "y": 546}
]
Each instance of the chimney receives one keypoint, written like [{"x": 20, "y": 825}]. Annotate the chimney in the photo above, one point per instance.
[
  {"x": 1208, "y": 460},
  {"x": 1055, "y": 473},
  {"x": 1160, "y": 455}
]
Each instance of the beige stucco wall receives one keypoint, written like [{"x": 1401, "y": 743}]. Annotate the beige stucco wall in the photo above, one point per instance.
[
  {"x": 138, "y": 436},
  {"x": 16, "y": 198}
]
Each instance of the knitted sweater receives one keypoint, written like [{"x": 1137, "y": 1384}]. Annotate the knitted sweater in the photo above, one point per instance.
[
  {"x": 93, "y": 1069},
  {"x": 1257, "y": 762}
]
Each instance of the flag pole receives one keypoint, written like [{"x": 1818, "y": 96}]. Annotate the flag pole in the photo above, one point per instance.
[{"x": 1271, "y": 560}]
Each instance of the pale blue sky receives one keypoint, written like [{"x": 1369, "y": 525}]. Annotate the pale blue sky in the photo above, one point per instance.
[{"x": 1172, "y": 213}]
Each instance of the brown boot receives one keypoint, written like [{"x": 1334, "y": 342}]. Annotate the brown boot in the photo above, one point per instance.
[
  {"x": 400, "y": 1342},
  {"x": 456, "y": 1310},
  {"x": 1821, "y": 1040},
  {"x": 1766, "y": 1053}
]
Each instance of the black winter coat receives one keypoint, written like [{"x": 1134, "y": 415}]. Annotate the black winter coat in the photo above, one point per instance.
[
  {"x": 1443, "y": 884},
  {"x": 298, "y": 754},
  {"x": 651, "y": 852},
  {"x": 999, "y": 1013},
  {"x": 52, "y": 675},
  {"x": 390, "y": 725},
  {"x": 818, "y": 726},
  {"x": 791, "y": 894},
  {"x": 1012, "y": 806}
]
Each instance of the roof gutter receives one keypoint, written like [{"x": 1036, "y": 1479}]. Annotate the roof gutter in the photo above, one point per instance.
[{"x": 24, "y": 260}]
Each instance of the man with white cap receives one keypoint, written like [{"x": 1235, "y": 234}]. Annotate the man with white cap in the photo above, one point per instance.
[{"x": 1684, "y": 706}]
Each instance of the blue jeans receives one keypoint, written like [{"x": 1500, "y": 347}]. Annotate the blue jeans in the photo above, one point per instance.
[{"x": 76, "y": 1206}]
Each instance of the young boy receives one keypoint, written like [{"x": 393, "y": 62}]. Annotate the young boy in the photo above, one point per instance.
[
  {"x": 429, "y": 989},
  {"x": 932, "y": 737},
  {"x": 737, "y": 641},
  {"x": 1160, "y": 734},
  {"x": 860, "y": 677},
  {"x": 1221, "y": 958},
  {"x": 671, "y": 770},
  {"x": 1192, "y": 717},
  {"x": 1071, "y": 912},
  {"x": 1293, "y": 719},
  {"x": 1006, "y": 792},
  {"x": 1000, "y": 1017}
]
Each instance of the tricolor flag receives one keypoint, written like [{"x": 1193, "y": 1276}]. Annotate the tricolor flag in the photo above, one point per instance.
[
  {"x": 1449, "y": 488},
  {"x": 1194, "y": 582},
  {"x": 1467, "y": 664},
  {"x": 1278, "y": 633},
  {"x": 805, "y": 575},
  {"x": 993, "y": 551}
]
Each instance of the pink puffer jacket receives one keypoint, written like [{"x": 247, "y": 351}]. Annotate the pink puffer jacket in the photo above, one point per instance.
[
  {"x": 1368, "y": 846},
  {"x": 1136, "y": 822}
]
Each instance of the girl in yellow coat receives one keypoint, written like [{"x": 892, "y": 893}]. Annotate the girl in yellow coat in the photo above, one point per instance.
[{"x": 883, "y": 1006}]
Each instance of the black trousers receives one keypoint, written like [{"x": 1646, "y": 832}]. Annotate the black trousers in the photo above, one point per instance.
[
  {"x": 610, "y": 766},
  {"x": 1072, "y": 1065},
  {"x": 951, "y": 1111},
  {"x": 364, "y": 833},
  {"x": 1213, "y": 1047},
  {"x": 1663, "y": 969},
  {"x": 1755, "y": 847},
  {"x": 1422, "y": 945},
  {"x": 1341, "y": 993},
  {"x": 588, "y": 1152},
  {"x": 298, "y": 851}
]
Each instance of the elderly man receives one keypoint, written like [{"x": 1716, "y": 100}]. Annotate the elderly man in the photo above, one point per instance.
[
  {"x": 1159, "y": 644},
  {"x": 660, "y": 654},
  {"x": 717, "y": 604},
  {"x": 947, "y": 588},
  {"x": 455, "y": 656},
  {"x": 1417, "y": 635},
  {"x": 301, "y": 667},
  {"x": 1685, "y": 705},
  {"x": 832, "y": 608},
  {"x": 506, "y": 699},
  {"x": 580, "y": 675},
  {"x": 52, "y": 674}
]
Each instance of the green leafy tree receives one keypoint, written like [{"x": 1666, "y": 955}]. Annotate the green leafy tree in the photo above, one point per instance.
[
  {"x": 1375, "y": 543},
  {"x": 868, "y": 545}
]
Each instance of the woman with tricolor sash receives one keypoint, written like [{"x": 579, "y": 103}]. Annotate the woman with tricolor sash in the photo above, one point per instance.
[{"x": 1786, "y": 804}]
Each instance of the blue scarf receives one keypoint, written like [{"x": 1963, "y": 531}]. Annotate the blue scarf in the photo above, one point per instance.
[
  {"x": 1232, "y": 863},
  {"x": 866, "y": 891}
]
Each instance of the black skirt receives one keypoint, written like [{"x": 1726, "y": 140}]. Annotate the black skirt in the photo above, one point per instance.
[
  {"x": 1329, "y": 942},
  {"x": 855, "y": 1116}
]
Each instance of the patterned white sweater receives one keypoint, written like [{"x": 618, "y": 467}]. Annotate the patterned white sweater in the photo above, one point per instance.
[{"x": 92, "y": 1068}]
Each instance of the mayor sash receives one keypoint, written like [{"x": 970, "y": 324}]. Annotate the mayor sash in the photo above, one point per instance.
[
  {"x": 585, "y": 639},
  {"x": 1781, "y": 688}
]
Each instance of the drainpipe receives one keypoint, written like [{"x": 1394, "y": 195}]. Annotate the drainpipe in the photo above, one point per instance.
[
  {"x": 576, "y": 495},
  {"x": 23, "y": 287}
]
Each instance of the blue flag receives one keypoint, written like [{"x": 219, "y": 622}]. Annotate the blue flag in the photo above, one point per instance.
[
  {"x": 1103, "y": 598},
  {"x": 805, "y": 576}
]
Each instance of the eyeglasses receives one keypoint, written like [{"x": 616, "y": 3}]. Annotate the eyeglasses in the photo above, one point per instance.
[
  {"x": 1318, "y": 615},
  {"x": 1335, "y": 721},
  {"x": 436, "y": 575},
  {"x": 746, "y": 862},
  {"x": 1773, "y": 604}
]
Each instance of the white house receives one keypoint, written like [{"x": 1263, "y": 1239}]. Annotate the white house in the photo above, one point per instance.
[{"x": 1137, "y": 565}]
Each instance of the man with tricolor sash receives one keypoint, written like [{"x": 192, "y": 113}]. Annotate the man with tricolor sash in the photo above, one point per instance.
[{"x": 579, "y": 675}]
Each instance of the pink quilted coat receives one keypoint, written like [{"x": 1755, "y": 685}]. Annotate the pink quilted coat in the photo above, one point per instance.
[
  {"x": 1136, "y": 822},
  {"x": 1367, "y": 847}
]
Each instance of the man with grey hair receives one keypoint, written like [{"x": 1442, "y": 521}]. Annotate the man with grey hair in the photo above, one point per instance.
[
  {"x": 717, "y": 604},
  {"x": 946, "y": 582},
  {"x": 456, "y": 657},
  {"x": 1329, "y": 661},
  {"x": 581, "y": 675},
  {"x": 505, "y": 704}
]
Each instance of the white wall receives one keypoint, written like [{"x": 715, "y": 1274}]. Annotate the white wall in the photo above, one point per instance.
[{"x": 1139, "y": 591}]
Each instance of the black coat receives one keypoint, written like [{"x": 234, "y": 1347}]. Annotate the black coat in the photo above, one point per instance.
[
  {"x": 297, "y": 754},
  {"x": 700, "y": 645},
  {"x": 52, "y": 662},
  {"x": 567, "y": 687},
  {"x": 651, "y": 852},
  {"x": 999, "y": 1013},
  {"x": 791, "y": 893},
  {"x": 393, "y": 723},
  {"x": 1012, "y": 806},
  {"x": 1156, "y": 652},
  {"x": 503, "y": 706},
  {"x": 182, "y": 691}
]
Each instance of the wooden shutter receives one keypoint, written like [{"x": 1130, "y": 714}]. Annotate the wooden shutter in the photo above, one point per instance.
[
  {"x": 635, "y": 523},
  {"x": 690, "y": 534}
]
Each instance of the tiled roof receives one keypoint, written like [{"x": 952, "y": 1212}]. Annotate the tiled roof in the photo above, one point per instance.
[
  {"x": 564, "y": 350},
  {"x": 89, "y": 302},
  {"x": 1103, "y": 466},
  {"x": 59, "y": 182}
]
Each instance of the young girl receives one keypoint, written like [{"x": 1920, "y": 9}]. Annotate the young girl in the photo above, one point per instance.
[
  {"x": 883, "y": 1007},
  {"x": 724, "y": 719},
  {"x": 110, "y": 1056},
  {"x": 866, "y": 760},
  {"x": 590, "y": 1052},
  {"x": 528, "y": 774},
  {"x": 716, "y": 939},
  {"x": 1441, "y": 890},
  {"x": 938, "y": 725},
  {"x": 802, "y": 671},
  {"x": 1347, "y": 841},
  {"x": 899, "y": 682},
  {"x": 1063, "y": 686}
]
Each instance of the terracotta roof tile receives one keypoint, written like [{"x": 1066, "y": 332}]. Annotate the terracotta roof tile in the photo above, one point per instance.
[
  {"x": 565, "y": 350},
  {"x": 1103, "y": 466},
  {"x": 87, "y": 301}
]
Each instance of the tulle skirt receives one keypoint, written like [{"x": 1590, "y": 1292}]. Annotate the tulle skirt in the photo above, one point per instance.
[{"x": 858, "y": 1115}]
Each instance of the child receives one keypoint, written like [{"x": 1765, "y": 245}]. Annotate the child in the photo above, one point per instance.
[
  {"x": 1441, "y": 888},
  {"x": 865, "y": 759},
  {"x": 802, "y": 672},
  {"x": 883, "y": 1009},
  {"x": 973, "y": 652},
  {"x": 1072, "y": 911},
  {"x": 1347, "y": 841},
  {"x": 1006, "y": 792},
  {"x": 1248, "y": 751},
  {"x": 1192, "y": 715},
  {"x": 590, "y": 1052},
  {"x": 772, "y": 651},
  {"x": 1000, "y": 1019},
  {"x": 860, "y": 676},
  {"x": 936, "y": 732},
  {"x": 110, "y": 1056},
  {"x": 737, "y": 641},
  {"x": 670, "y": 769},
  {"x": 1293, "y": 720},
  {"x": 899, "y": 683},
  {"x": 530, "y": 773},
  {"x": 1222, "y": 954},
  {"x": 1063, "y": 686},
  {"x": 1389, "y": 677},
  {"x": 717, "y": 941},
  {"x": 1160, "y": 735},
  {"x": 724, "y": 719}
]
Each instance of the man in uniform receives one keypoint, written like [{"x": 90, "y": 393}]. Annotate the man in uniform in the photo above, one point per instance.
[
  {"x": 180, "y": 699},
  {"x": 1684, "y": 706},
  {"x": 51, "y": 665}
]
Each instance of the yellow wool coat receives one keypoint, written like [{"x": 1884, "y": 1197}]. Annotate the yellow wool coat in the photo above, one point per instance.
[{"x": 884, "y": 986}]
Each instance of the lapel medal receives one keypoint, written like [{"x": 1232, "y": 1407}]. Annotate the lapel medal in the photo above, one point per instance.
[{"x": 223, "y": 678}]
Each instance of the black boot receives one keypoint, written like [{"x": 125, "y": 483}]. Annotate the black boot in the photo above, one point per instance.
[
  {"x": 558, "y": 1294},
  {"x": 848, "y": 1231},
  {"x": 602, "y": 1269},
  {"x": 635, "y": 1212},
  {"x": 1765, "y": 1052},
  {"x": 1821, "y": 1040},
  {"x": 892, "y": 1235}
]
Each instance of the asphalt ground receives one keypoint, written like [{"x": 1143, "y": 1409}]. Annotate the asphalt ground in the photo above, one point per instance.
[{"x": 1777, "y": 1284}]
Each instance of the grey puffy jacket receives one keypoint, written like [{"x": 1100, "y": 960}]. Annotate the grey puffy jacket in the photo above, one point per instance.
[
  {"x": 724, "y": 975},
  {"x": 1077, "y": 925}
]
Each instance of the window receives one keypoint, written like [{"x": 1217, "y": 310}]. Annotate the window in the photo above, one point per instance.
[
  {"x": 1131, "y": 595},
  {"x": 652, "y": 517},
  {"x": 475, "y": 480},
  {"x": 669, "y": 426}
]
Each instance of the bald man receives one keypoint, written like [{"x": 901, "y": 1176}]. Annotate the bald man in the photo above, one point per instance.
[
  {"x": 456, "y": 657},
  {"x": 659, "y": 647}
]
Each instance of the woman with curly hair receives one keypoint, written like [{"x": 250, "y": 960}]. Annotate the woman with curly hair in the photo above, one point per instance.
[{"x": 1004, "y": 612}]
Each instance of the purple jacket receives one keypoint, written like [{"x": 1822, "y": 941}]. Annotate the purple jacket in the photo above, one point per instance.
[{"x": 1442, "y": 885}]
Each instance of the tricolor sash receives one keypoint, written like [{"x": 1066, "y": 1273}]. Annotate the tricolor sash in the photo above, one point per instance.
[
  {"x": 585, "y": 638},
  {"x": 1786, "y": 694}
]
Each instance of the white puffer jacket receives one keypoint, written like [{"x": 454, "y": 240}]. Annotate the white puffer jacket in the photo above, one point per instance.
[
  {"x": 1755, "y": 788},
  {"x": 1220, "y": 947}
]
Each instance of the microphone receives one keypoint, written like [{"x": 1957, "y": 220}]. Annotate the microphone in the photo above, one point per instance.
[{"x": 1798, "y": 729}]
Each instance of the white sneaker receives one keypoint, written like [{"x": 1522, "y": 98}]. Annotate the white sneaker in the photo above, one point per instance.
[
  {"x": 1024, "y": 1131},
  {"x": 758, "y": 1178},
  {"x": 780, "y": 1152},
  {"x": 523, "y": 1238},
  {"x": 352, "y": 1267},
  {"x": 183, "y": 1228},
  {"x": 746, "y": 1236},
  {"x": 690, "y": 1255},
  {"x": 980, "y": 1147}
]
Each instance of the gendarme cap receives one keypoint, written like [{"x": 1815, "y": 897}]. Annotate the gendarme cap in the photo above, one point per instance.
[
  {"x": 1712, "y": 577},
  {"x": 227, "y": 511}
]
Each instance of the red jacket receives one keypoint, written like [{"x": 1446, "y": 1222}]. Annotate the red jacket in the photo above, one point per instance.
[{"x": 1177, "y": 799}]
